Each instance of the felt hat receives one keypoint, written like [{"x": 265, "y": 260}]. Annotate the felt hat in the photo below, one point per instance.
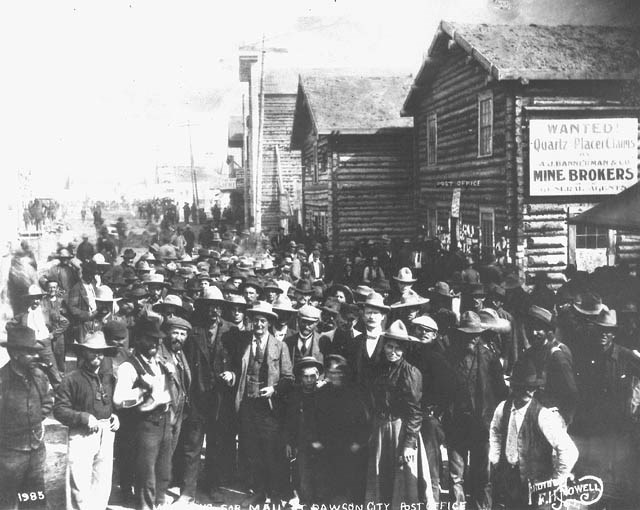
[
  {"x": 309, "y": 312},
  {"x": 381, "y": 285},
  {"x": 349, "y": 311},
  {"x": 512, "y": 281},
  {"x": 332, "y": 306},
  {"x": 262, "y": 308},
  {"x": 96, "y": 342},
  {"x": 307, "y": 362},
  {"x": 442, "y": 289},
  {"x": 363, "y": 290},
  {"x": 303, "y": 287},
  {"x": 426, "y": 322},
  {"x": 230, "y": 288},
  {"x": 494, "y": 289},
  {"x": 138, "y": 291},
  {"x": 492, "y": 321},
  {"x": 128, "y": 254},
  {"x": 540, "y": 314},
  {"x": 606, "y": 319},
  {"x": 410, "y": 299},
  {"x": 155, "y": 279},
  {"x": 470, "y": 323},
  {"x": 375, "y": 300},
  {"x": 100, "y": 261},
  {"x": 34, "y": 291},
  {"x": 272, "y": 285},
  {"x": 186, "y": 260},
  {"x": 251, "y": 282},
  {"x": 143, "y": 266},
  {"x": 21, "y": 338},
  {"x": 236, "y": 299},
  {"x": 398, "y": 331},
  {"x": 64, "y": 253},
  {"x": 405, "y": 276},
  {"x": 176, "y": 322},
  {"x": 283, "y": 304},
  {"x": 146, "y": 326},
  {"x": 171, "y": 301},
  {"x": 588, "y": 303},
  {"x": 115, "y": 330},
  {"x": 211, "y": 295},
  {"x": 105, "y": 294},
  {"x": 524, "y": 374}
]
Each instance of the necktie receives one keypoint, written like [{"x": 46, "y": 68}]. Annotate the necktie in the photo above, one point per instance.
[
  {"x": 258, "y": 351},
  {"x": 511, "y": 448},
  {"x": 303, "y": 351}
]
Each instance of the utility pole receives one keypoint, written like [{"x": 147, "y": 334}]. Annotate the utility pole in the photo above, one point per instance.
[
  {"x": 258, "y": 188},
  {"x": 245, "y": 165}
]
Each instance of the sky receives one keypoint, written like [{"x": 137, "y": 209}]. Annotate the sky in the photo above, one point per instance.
[{"x": 102, "y": 92}]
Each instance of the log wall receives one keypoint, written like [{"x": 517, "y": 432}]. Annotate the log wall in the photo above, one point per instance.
[{"x": 278, "y": 124}]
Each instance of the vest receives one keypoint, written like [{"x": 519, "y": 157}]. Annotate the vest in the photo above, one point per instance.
[
  {"x": 256, "y": 373},
  {"x": 534, "y": 451}
]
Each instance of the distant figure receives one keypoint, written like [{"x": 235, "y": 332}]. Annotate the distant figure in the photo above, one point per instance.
[{"x": 187, "y": 212}]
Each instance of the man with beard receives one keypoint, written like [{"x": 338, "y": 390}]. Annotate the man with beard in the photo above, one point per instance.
[
  {"x": 84, "y": 403},
  {"x": 263, "y": 377},
  {"x": 210, "y": 364},
  {"x": 479, "y": 386},
  {"x": 143, "y": 384},
  {"x": 25, "y": 400},
  {"x": 155, "y": 286},
  {"x": 306, "y": 342},
  {"x": 528, "y": 442},
  {"x": 553, "y": 363}
]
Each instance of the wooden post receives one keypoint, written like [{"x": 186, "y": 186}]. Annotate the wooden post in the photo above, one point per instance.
[{"x": 258, "y": 188}]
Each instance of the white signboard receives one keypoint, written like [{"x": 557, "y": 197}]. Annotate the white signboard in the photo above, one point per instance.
[{"x": 570, "y": 157}]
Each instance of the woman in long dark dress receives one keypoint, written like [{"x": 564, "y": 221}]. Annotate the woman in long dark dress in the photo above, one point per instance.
[{"x": 398, "y": 470}]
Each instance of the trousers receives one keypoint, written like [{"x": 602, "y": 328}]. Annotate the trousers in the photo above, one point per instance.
[
  {"x": 91, "y": 467},
  {"x": 480, "y": 486},
  {"x": 21, "y": 472}
]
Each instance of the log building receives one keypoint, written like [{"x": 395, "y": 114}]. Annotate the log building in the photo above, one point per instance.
[
  {"x": 519, "y": 128},
  {"x": 357, "y": 157}
]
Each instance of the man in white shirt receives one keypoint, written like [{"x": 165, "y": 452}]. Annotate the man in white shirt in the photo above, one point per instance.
[
  {"x": 527, "y": 442},
  {"x": 143, "y": 383}
]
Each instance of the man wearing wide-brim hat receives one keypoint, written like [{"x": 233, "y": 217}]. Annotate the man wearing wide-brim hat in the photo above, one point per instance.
[
  {"x": 64, "y": 272},
  {"x": 143, "y": 385},
  {"x": 404, "y": 280},
  {"x": 408, "y": 306},
  {"x": 251, "y": 289},
  {"x": 235, "y": 307},
  {"x": 553, "y": 361},
  {"x": 283, "y": 326},
  {"x": 480, "y": 382},
  {"x": 211, "y": 372},
  {"x": 604, "y": 421},
  {"x": 27, "y": 399},
  {"x": 528, "y": 442},
  {"x": 84, "y": 403},
  {"x": 171, "y": 306},
  {"x": 263, "y": 377}
]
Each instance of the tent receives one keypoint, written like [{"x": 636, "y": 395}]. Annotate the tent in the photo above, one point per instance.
[{"x": 620, "y": 212}]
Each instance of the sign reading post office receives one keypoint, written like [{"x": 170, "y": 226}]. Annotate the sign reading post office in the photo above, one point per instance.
[{"x": 572, "y": 157}]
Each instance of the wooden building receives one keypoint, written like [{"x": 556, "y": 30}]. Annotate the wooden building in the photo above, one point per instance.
[
  {"x": 519, "y": 128},
  {"x": 357, "y": 157},
  {"x": 269, "y": 158}
]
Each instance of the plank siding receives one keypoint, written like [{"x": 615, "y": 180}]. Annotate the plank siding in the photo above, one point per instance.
[{"x": 278, "y": 124}]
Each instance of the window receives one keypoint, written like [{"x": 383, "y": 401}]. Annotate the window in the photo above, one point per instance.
[
  {"x": 485, "y": 124},
  {"x": 432, "y": 139},
  {"x": 487, "y": 228},
  {"x": 590, "y": 236}
]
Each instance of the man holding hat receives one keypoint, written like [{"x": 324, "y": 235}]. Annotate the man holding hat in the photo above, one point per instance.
[
  {"x": 306, "y": 341},
  {"x": 262, "y": 377},
  {"x": 25, "y": 400},
  {"x": 84, "y": 403},
  {"x": 143, "y": 384},
  {"x": 479, "y": 386},
  {"x": 301, "y": 437},
  {"x": 528, "y": 442},
  {"x": 553, "y": 363}
]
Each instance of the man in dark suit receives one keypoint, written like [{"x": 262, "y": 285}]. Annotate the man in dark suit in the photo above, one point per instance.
[
  {"x": 210, "y": 370},
  {"x": 81, "y": 302},
  {"x": 263, "y": 376},
  {"x": 306, "y": 341}
]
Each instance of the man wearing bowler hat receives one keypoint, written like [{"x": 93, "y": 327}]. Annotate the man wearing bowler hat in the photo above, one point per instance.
[
  {"x": 263, "y": 376},
  {"x": 84, "y": 403},
  {"x": 25, "y": 400},
  {"x": 479, "y": 386},
  {"x": 143, "y": 384},
  {"x": 528, "y": 442}
]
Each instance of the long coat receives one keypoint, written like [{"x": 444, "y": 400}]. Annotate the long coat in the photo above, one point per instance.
[
  {"x": 279, "y": 370},
  {"x": 78, "y": 306}
]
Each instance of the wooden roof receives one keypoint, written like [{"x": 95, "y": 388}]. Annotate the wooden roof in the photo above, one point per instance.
[
  {"x": 353, "y": 104},
  {"x": 538, "y": 52},
  {"x": 621, "y": 211}
]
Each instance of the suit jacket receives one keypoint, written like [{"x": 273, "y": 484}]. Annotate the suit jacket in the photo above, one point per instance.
[
  {"x": 365, "y": 368},
  {"x": 279, "y": 370},
  {"x": 206, "y": 365},
  {"x": 316, "y": 350}
]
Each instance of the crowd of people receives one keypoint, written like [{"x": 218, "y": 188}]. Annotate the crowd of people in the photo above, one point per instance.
[
  {"x": 39, "y": 213},
  {"x": 305, "y": 377}
]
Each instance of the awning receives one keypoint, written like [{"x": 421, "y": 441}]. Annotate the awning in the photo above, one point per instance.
[{"x": 620, "y": 212}]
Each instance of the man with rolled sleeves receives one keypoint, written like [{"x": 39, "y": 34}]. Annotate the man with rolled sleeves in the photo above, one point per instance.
[
  {"x": 263, "y": 376},
  {"x": 25, "y": 400},
  {"x": 305, "y": 341}
]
